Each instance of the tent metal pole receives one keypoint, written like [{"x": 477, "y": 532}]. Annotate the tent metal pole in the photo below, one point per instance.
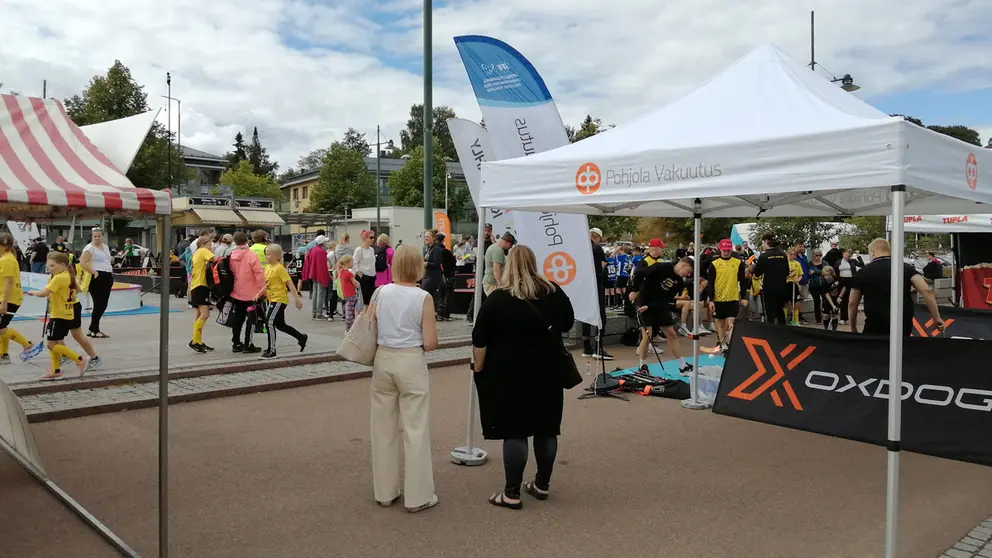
[
  {"x": 895, "y": 372},
  {"x": 471, "y": 455},
  {"x": 954, "y": 271},
  {"x": 163, "y": 390},
  {"x": 693, "y": 402},
  {"x": 71, "y": 503}
]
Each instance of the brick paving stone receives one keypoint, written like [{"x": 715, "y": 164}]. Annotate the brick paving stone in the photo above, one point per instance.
[
  {"x": 955, "y": 553},
  {"x": 985, "y": 552},
  {"x": 147, "y": 392},
  {"x": 973, "y": 541},
  {"x": 966, "y": 547}
]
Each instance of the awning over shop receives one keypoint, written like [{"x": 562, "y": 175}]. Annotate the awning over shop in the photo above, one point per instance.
[
  {"x": 217, "y": 216},
  {"x": 261, "y": 217}
]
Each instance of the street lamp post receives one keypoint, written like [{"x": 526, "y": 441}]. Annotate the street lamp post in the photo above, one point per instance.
[
  {"x": 428, "y": 118},
  {"x": 378, "y": 183},
  {"x": 179, "y": 126},
  {"x": 846, "y": 81}
]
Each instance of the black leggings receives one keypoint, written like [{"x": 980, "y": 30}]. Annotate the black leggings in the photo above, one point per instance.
[
  {"x": 367, "y": 283},
  {"x": 515, "y": 460},
  {"x": 100, "y": 287},
  {"x": 775, "y": 306},
  {"x": 819, "y": 303},
  {"x": 243, "y": 319},
  {"x": 275, "y": 318}
]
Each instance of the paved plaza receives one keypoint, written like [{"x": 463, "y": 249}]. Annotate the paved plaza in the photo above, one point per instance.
[
  {"x": 133, "y": 346},
  {"x": 287, "y": 473}
]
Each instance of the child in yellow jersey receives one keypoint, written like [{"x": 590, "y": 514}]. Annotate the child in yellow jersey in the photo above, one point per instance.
[
  {"x": 199, "y": 292},
  {"x": 278, "y": 285},
  {"x": 13, "y": 297},
  {"x": 61, "y": 294},
  {"x": 795, "y": 275}
]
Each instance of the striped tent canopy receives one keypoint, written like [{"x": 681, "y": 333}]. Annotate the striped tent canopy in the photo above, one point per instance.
[{"x": 49, "y": 169}]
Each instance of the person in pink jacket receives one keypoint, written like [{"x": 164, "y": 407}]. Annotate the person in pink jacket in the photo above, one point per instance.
[
  {"x": 315, "y": 270},
  {"x": 248, "y": 282},
  {"x": 382, "y": 246}
]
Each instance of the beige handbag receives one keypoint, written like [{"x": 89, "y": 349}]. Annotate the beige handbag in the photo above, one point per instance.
[{"x": 362, "y": 340}]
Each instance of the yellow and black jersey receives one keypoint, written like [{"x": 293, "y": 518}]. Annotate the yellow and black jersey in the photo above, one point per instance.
[{"x": 727, "y": 282}]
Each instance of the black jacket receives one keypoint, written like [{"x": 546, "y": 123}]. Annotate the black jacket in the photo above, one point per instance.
[
  {"x": 434, "y": 261},
  {"x": 773, "y": 266}
]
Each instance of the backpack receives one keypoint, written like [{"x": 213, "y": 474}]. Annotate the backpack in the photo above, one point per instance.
[
  {"x": 220, "y": 278},
  {"x": 380, "y": 259}
]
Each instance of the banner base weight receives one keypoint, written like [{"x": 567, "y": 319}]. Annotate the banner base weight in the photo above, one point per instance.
[
  {"x": 695, "y": 405},
  {"x": 469, "y": 457}
]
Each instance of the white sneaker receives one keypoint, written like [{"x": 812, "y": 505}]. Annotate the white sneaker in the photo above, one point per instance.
[{"x": 843, "y": 322}]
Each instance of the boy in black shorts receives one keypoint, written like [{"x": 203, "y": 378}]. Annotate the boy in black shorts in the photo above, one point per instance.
[
  {"x": 727, "y": 290},
  {"x": 653, "y": 292}
]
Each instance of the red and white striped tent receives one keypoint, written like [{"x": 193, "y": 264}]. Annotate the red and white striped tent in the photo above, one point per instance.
[{"x": 49, "y": 168}]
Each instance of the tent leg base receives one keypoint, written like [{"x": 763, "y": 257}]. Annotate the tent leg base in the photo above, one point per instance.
[
  {"x": 469, "y": 457},
  {"x": 694, "y": 405}
]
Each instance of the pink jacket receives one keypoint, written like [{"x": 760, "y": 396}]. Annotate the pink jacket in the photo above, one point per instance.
[
  {"x": 315, "y": 266},
  {"x": 248, "y": 275}
]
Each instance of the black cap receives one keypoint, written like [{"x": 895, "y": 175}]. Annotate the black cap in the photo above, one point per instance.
[{"x": 509, "y": 238}]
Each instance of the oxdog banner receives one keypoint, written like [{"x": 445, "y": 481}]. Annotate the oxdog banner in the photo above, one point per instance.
[
  {"x": 959, "y": 323},
  {"x": 837, "y": 384},
  {"x": 522, "y": 119}
]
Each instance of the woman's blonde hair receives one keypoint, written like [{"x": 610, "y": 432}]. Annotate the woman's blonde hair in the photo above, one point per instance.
[
  {"x": 383, "y": 240},
  {"x": 408, "y": 264},
  {"x": 521, "y": 277},
  {"x": 273, "y": 249},
  {"x": 344, "y": 262}
]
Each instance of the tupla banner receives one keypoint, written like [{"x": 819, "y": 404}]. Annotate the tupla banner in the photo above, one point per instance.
[
  {"x": 959, "y": 323},
  {"x": 474, "y": 147},
  {"x": 837, "y": 384},
  {"x": 522, "y": 119}
]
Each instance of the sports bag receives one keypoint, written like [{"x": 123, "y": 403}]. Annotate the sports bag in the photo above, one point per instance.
[
  {"x": 220, "y": 278},
  {"x": 380, "y": 259}
]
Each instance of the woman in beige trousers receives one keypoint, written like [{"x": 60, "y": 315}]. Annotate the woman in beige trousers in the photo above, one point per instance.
[{"x": 401, "y": 387}]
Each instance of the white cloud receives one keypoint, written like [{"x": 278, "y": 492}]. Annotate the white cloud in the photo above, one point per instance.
[{"x": 233, "y": 69}]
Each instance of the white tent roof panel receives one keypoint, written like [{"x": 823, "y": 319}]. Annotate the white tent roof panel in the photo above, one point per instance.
[{"x": 766, "y": 136}]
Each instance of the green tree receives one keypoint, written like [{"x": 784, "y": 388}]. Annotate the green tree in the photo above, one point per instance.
[
  {"x": 589, "y": 127},
  {"x": 356, "y": 141},
  {"x": 117, "y": 95},
  {"x": 344, "y": 180},
  {"x": 246, "y": 183},
  {"x": 413, "y": 135},
  {"x": 963, "y": 133},
  {"x": 865, "y": 230},
  {"x": 614, "y": 227},
  {"x": 789, "y": 230},
  {"x": 239, "y": 153},
  {"x": 407, "y": 184},
  {"x": 680, "y": 230},
  {"x": 259, "y": 157}
]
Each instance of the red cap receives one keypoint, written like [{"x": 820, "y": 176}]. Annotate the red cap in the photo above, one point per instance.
[
  {"x": 656, "y": 243},
  {"x": 726, "y": 245}
]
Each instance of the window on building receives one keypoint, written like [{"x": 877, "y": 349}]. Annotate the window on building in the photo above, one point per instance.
[
  {"x": 305, "y": 192},
  {"x": 296, "y": 194}
]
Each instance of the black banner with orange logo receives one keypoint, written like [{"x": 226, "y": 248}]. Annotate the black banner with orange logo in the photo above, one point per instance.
[
  {"x": 837, "y": 384},
  {"x": 963, "y": 323}
]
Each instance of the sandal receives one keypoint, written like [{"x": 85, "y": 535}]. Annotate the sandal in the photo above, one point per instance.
[
  {"x": 533, "y": 490},
  {"x": 97, "y": 335},
  {"x": 499, "y": 500},
  {"x": 50, "y": 377},
  {"x": 430, "y": 504}
]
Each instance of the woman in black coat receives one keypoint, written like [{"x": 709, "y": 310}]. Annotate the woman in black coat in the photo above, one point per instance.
[{"x": 519, "y": 371}]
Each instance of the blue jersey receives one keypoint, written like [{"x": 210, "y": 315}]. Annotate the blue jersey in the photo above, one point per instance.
[
  {"x": 611, "y": 269},
  {"x": 623, "y": 265},
  {"x": 634, "y": 260}
]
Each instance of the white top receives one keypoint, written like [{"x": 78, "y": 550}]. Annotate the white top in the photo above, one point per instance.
[
  {"x": 845, "y": 269},
  {"x": 399, "y": 311},
  {"x": 364, "y": 261},
  {"x": 100, "y": 261},
  {"x": 332, "y": 259}
]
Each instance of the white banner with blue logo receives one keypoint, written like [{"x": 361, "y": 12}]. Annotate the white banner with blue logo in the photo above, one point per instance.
[
  {"x": 522, "y": 119},
  {"x": 474, "y": 147}
]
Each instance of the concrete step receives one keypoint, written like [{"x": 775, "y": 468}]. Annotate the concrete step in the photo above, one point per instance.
[{"x": 83, "y": 401}]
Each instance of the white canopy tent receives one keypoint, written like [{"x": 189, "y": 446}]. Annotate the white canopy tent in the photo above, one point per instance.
[
  {"x": 944, "y": 224},
  {"x": 765, "y": 137}
]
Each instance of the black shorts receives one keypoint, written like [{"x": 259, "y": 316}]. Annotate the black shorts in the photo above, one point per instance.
[
  {"x": 656, "y": 318},
  {"x": 200, "y": 296},
  {"x": 5, "y": 319},
  {"x": 77, "y": 316},
  {"x": 57, "y": 329},
  {"x": 610, "y": 284},
  {"x": 622, "y": 282},
  {"x": 725, "y": 310}
]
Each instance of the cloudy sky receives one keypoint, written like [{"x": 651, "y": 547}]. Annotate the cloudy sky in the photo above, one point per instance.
[{"x": 303, "y": 71}]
